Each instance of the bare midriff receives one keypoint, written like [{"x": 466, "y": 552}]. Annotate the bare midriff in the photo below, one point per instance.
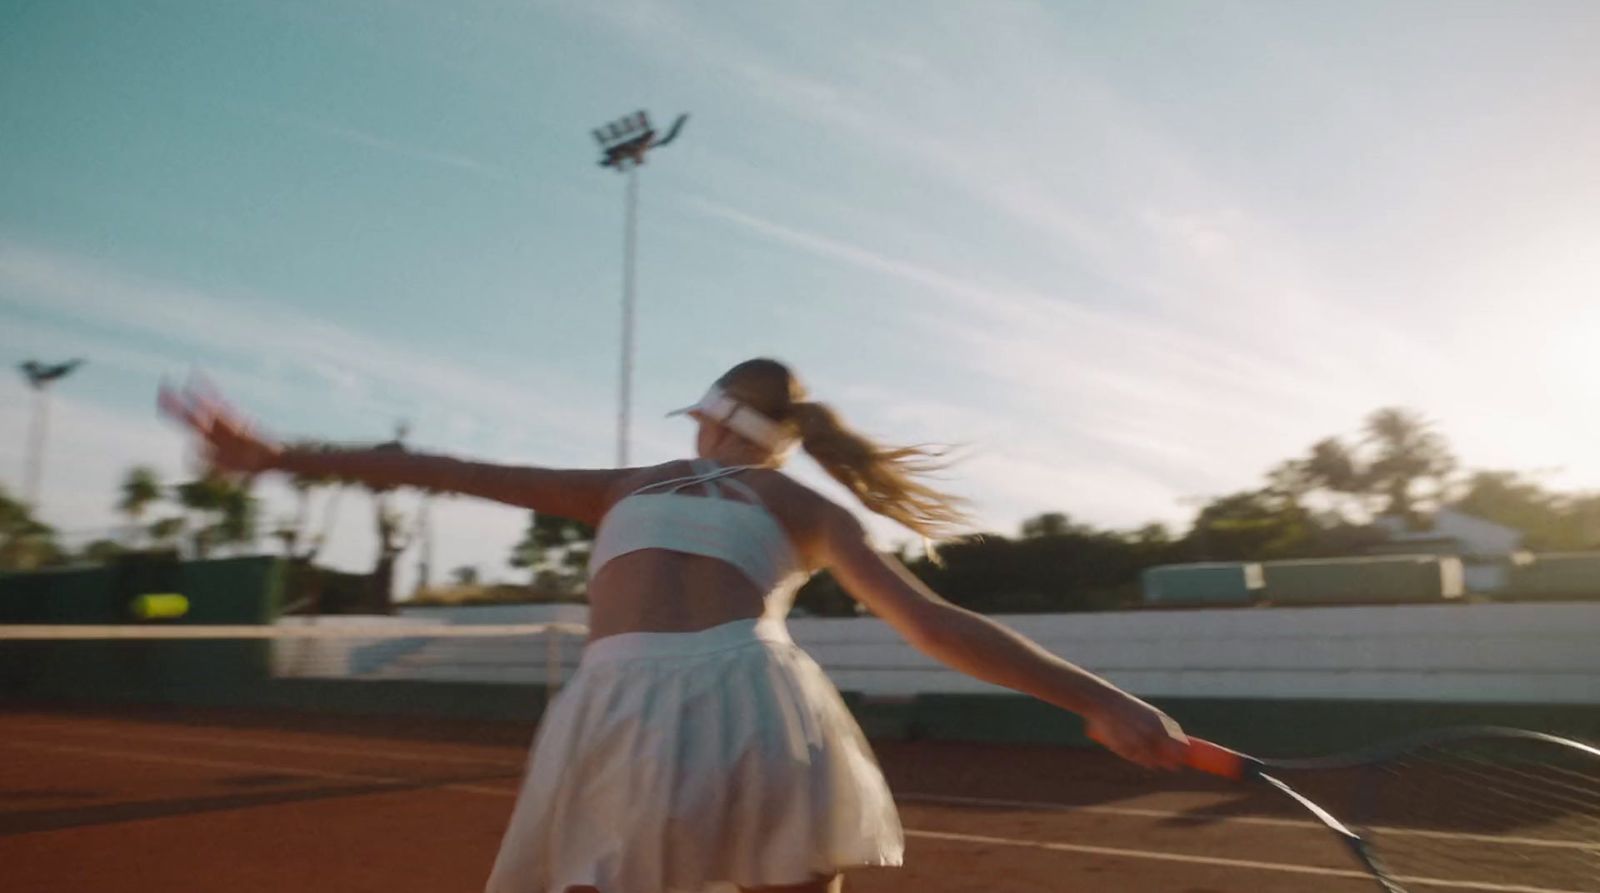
[{"x": 661, "y": 591}]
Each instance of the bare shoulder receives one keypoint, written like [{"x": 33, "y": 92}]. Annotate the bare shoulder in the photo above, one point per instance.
[
  {"x": 630, "y": 479},
  {"x": 812, "y": 520}
]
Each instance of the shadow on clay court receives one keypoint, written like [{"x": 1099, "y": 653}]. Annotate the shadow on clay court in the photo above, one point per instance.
[{"x": 25, "y": 821}]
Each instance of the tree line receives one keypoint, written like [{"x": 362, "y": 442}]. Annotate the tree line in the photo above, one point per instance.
[
  {"x": 1321, "y": 503},
  {"x": 217, "y": 516}
]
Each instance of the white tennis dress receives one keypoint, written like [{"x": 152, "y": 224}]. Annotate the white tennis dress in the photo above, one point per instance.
[{"x": 688, "y": 762}]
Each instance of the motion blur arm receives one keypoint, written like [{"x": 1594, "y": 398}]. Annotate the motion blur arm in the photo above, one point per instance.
[
  {"x": 578, "y": 494},
  {"x": 956, "y": 637}
]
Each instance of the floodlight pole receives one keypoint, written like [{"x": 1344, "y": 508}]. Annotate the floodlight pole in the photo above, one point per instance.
[
  {"x": 39, "y": 377},
  {"x": 624, "y": 144},
  {"x": 630, "y": 239},
  {"x": 37, "y": 431}
]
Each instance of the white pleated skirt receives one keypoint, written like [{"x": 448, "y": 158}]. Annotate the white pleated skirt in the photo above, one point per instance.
[{"x": 692, "y": 763}]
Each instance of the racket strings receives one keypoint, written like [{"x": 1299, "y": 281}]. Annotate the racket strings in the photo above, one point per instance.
[
  {"x": 1515, "y": 815},
  {"x": 1501, "y": 791},
  {"x": 1570, "y": 781}
]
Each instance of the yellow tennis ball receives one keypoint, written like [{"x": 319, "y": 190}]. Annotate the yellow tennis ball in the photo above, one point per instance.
[{"x": 160, "y": 606}]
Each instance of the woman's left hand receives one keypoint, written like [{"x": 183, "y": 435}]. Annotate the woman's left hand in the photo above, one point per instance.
[
  {"x": 1136, "y": 731},
  {"x": 230, "y": 442}
]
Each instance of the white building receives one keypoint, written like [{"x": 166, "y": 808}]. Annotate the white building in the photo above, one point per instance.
[{"x": 1485, "y": 548}]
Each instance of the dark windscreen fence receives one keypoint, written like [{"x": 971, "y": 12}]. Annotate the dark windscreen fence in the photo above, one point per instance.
[
  {"x": 251, "y": 664},
  {"x": 241, "y": 590}
]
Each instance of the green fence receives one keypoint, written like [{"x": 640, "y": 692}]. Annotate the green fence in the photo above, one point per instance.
[
  {"x": 1412, "y": 578},
  {"x": 245, "y": 590},
  {"x": 233, "y": 591},
  {"x": 72, "y": 595},
  {"x": 1555, "y": 575},
  {"x": 1198, "y": 585}
]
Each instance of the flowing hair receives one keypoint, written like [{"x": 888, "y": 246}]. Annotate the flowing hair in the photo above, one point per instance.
[{"x": 886, "y": 479}]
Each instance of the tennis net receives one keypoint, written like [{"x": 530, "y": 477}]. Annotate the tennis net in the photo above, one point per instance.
[{"x": 85, "y": 661}]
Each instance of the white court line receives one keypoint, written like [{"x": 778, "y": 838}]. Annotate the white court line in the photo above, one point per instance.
[
  {"x": 1133, "y": 811},
  {"x": 1227, "y": 863},
  {"x": 1136, "y": 812},
  {"x": 1127, "y": 811},
  {"x": 1152, "y": 855},
  {"x": 415, "y": 756}
]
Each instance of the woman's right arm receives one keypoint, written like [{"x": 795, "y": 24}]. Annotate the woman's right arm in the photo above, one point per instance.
[
  {"x": 579, "y": 494},
  {"x": 975, "y": 645},
  {"x": 230, "y": 443}
]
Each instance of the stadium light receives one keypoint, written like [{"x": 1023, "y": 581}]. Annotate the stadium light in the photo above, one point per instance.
[
  {"x": 40, "y": 377},
  {"x": 623, "y": 146}
]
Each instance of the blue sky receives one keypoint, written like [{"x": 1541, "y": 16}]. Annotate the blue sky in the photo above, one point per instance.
[{"x": 1131, "y": 254}]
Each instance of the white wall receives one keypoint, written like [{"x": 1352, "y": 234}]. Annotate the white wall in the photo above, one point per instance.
[
  {"x": 1476, "y": 535},
  {"x": 1519, "y": 653},
  {"x": 1523, "y": 653},
  {"x": 556, "y": 613}
]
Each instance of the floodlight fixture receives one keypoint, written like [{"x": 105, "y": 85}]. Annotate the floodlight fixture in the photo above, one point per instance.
[
  {"x": 623, "y": 146},
  {"x": 625, "y": 141}
]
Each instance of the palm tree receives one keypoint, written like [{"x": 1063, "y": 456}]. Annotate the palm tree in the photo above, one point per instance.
[
  {"x": 236, "y": 524},
  {"x": 557, "y": 550},
  {"x": 1250, "y": 524},
  {"x": 141, "y": 488},
  {"x": 1332, "y": 465},
  {"x": 226, "y": 510},
  {"x": 26, "y": 543},
  {"x": 101, "y": 551},
  {"x": 200, "y": 498},
  {"x": 1407, "y": 451},
  {"x": 164, "y": 532}
]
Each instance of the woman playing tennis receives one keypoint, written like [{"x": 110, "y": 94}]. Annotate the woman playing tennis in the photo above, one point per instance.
[{"x": 697, "y": 748}]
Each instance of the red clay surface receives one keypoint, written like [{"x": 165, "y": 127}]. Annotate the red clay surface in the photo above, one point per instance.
[{"x": 149, "y": 800}]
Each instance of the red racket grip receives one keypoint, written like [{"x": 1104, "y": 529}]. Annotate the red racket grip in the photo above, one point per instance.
[{"x": 1214, "y": 759}]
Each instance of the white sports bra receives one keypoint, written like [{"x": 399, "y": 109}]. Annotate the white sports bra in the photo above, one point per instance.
[{"x": 741, "y": 532}]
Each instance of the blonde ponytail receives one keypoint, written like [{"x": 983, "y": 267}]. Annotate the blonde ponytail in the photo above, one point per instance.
[{"x": 884, "y": 478}]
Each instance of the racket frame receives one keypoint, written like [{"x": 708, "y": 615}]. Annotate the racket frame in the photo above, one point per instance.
[{"x": 1214, "y": 759}]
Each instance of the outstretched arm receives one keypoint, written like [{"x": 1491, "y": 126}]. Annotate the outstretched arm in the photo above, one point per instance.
[
  {"x": 579, "y": 494},
  {"x": 232, "y": 444},
  {"x": 975, "y": 645}
]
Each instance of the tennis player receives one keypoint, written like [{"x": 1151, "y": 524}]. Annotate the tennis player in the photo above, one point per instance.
[{"x": 697, "y": 748}]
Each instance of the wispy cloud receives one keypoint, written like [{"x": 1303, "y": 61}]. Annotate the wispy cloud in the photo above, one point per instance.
[
  {"x": 970, "y": 303},
  {"x": 1121, "y": 412},
  {"x": 251, "y": 340},
  {"x": 42, "y": 339},
  {"x": 1114, "y": 309},
  {"x": 1220, "y": 342},
  {"x": 417, "y": 153},
  {"x": 290, "y": 366}
]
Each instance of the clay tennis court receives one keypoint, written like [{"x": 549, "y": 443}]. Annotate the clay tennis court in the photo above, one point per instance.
[{"x": 165, "y": 800}]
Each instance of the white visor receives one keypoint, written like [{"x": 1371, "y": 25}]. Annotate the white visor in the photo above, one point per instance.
[{"x": 748, "y": 423}]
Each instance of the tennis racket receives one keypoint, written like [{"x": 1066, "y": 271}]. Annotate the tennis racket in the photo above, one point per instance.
[{"x": 1476, "y": 808}]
